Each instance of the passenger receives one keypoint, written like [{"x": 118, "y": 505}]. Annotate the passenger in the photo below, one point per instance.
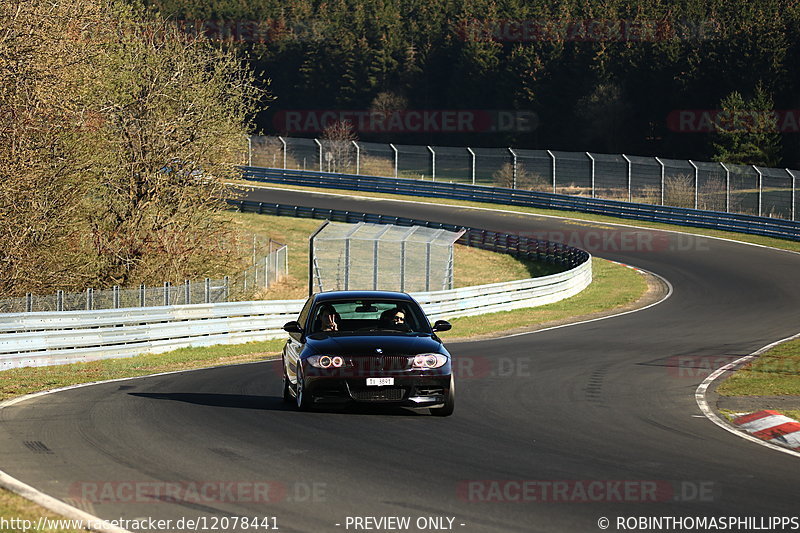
[
  {"x": 327, "y": 319},
  {"x": 393, "y": 319}
]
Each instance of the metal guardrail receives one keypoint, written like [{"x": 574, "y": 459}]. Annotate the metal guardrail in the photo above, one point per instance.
[
  {"x": 768, "y": 227},
  {"x": 40, "y": 339}
]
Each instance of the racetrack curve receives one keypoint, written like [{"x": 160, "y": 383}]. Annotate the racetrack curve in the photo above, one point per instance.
[{"x": 600, "y": 402}]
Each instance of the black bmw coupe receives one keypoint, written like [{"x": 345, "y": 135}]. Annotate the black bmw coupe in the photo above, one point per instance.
[{"x": 367, "y": 346}]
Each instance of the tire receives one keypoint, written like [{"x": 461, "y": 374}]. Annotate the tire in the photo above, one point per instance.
[
  {"x": 449, "y": 403},
  {"x": 287, "y": 392},
  {"x": 302, "y": 399}
]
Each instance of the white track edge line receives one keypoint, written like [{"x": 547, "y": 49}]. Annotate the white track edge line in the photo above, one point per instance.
[
  {"x": 702, "y": 402},
  {"x": 55, "y": 505}
]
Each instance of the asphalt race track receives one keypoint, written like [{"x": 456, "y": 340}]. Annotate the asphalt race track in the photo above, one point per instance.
[{"x": 599, "y": 419}]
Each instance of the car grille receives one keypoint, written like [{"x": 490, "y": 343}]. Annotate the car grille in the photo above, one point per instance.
[
  {"x": 378, "y": 394},
  {"x": 384, "y": 362}
]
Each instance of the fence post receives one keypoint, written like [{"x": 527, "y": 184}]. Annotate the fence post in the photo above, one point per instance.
[
  {"x": 696, "y": 189},
  {"x": 142, "y": 294},
  {"x": 187, "y": 291},
  {"x": 207, "y": 283},
  {"x": 727, "y": 187},
  {"x": 433, "y": 164},
  {"x": 249, "y": 151},
  {"x": 553, "y": 157},
  {"x": 473, "y": 163},
  {"x": 662, "y": 178},
  {"x": 794, "y": 188},
  {"x": 60, "y": 301},
  {"x": 513, "y": 168},
  {"x": 427, "y": 266},
  {"x": 320, "y": 153},
  {"x": 284, "y": 151},
  {"x": 29, "y": 302},
  {"x": 89, "y": 299},
  {"x": 358, "y": 157},
  {"x": 630, "y": 185},
  {"x": 592, "y": 160},
  {"x": 166, "y": 293},
  {"x": 760, "y": 189},
  {"x": 115, "y": 293},
  {"x": 226, "y": 288},
  {"x": 396, "y": 160}
]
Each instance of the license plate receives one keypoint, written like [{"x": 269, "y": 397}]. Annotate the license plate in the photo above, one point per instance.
[{"x": 380, "y": 381}]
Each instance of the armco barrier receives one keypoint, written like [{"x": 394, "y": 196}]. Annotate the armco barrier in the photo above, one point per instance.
[
  {"x": 768, "y": 227},
  {"x": 40, "y": 339}
]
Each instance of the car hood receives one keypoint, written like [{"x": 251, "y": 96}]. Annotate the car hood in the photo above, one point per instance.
[{"x": 369, "y": 344}]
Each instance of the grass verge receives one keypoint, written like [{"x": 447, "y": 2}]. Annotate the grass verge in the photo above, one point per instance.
[{"x": 773, "y": 373}]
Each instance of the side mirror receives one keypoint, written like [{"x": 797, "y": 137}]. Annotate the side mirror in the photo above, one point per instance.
[
  {"x": 442, "y": 325},
  {"x": 292, "y": 327}
]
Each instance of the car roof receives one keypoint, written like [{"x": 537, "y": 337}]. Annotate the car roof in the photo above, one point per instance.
[{"x": 361, "y": 295}]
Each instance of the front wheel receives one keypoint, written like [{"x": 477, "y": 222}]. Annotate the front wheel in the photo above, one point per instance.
[
  {"x": 449, "y": 403},
  {"x": 303, "y": 401}
]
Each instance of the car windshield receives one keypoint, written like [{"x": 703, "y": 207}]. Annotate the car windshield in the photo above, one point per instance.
[{"x": 395, "y": 316}]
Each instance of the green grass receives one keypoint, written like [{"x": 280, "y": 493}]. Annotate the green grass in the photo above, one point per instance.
[
  {"x": 613, "y": 287},
  {"x": 773, "y": 373},
  {"x": 743, "y": 237},
  {"x": 19, "y": 381}
]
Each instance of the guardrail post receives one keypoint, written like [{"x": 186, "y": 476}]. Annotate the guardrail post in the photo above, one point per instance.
[
  {"x": 513, "y": 168},
  {"x": 662, "y": 179},
  {"x": 553, "y": 157},
  {"x": 696, "y": 183},
  {"x": 187, "y": 291},
  {"x": 433, "y": 164},
  {"x": 358, "y": 157},
  {"x": 473, "y": 163},
  {"x": 284, "y": 151},
  {"x": 115, "y": 293},
  {"x": 630, "y": 185},
  {"x": 207, "y": 291},
  {"x": 727, "y": 187},
  {"x": 396, "y": 159},
  {"x": 760, "y": 189},
  {"x": 60, "y": 301},
  {"x": 592, "y": 160},
  {"x": 28, "y": 302},
  {"x": 320, "y": 153},
  {"x": 794, "y": 188}
]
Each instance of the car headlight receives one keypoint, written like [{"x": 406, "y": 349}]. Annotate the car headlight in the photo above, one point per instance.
[
  {"x": 325, "y": 361},
  {"x": 429, "y": 360}
]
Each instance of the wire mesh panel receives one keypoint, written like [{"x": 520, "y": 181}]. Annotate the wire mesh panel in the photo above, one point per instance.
[
  {"x": 382, "y": 257},
  {"x": 611, "y": 176},
  {"x": 573, "y": 173},
  {"x": 712, "y": 188},
  {"x": 266, "y": 151},
  {"x": 375, "y": 159},
  {"x": 302, "y": 154},
  {"x": 679, "y": 186},
  {"x": 645, "y": 179},
  {"x": 744, "y": 189},
  {"x": 534, "y": 170},
  {"x": 339, "y": 156},
  {"x": 777, "y": 193},
  {"x": 493, "y": 167},
  {"x": 453, "y": 164},
  {"x": 414, "y": 162}
]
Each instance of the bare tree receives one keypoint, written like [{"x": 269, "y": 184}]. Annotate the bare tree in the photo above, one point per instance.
[{"x": 338, "y": 152}]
